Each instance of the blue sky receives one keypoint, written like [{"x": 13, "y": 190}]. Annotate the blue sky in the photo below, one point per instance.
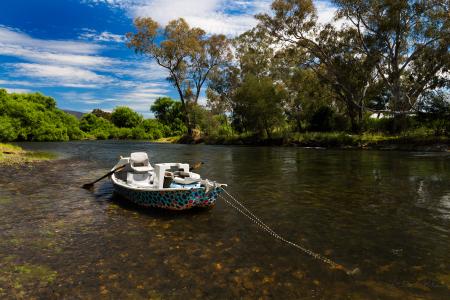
[{"x": 74, "y": 50}]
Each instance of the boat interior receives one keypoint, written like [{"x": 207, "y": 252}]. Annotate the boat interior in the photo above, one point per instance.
[{"x": 139, "y": 173}]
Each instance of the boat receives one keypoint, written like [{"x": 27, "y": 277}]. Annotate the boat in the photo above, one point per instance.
[{"x": 164, "y": 185}]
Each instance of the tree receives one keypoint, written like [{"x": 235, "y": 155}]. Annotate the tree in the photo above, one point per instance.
[
  {"x": 102, "y": 114},
  {"x": 327, "y": 51},
  {"x": 221, "y": 89},
  {"x": 254, "y": 54},
  {"x": 169, "y": 113},
  {"x": 125, "y": 117},
  {"x": 186, "y": 53},
  {"x": 409, "y": 41},
  {"x": 35, "y": 117},
  {"x": 306, "y": 94},
  {"x": 258, "y": 104}
]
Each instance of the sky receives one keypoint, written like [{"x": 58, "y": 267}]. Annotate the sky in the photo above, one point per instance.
[{"x": 74, "y": 50}]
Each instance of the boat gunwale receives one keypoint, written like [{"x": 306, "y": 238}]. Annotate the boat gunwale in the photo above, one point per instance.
[{"x": 149, "y": 189}]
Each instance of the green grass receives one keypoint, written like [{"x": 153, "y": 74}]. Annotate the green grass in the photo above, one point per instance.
[
  {"x": 11, "y": 154},
  {"x": 168, "y": 140},
  {"x": 408, "y": 140}
]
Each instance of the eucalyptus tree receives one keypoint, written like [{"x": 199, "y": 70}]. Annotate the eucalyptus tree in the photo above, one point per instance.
[
  {"x": 188, "y": 54},
  {"x": 253, "y": 53},
  {"x": 329, "y": 51},
  {"x": 409, "y": 40},
  {"x": 222, "y": 89},
  {"x": 259, "y": 104}
]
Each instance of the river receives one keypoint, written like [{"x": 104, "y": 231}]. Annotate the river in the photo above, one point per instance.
[{"x": 386, "y": 213}]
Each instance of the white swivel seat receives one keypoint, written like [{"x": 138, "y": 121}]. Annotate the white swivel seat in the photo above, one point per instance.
[
  {"x": 139, "y": 175},
  {"x": 139, "y": 162}
]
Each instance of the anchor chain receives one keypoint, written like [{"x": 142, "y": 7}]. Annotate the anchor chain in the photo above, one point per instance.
[{"x": 247, "y": 213}]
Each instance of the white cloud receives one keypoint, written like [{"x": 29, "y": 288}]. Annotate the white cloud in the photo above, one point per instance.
[
  {"x": 105, "y": 36},
  {"x": 70, "y": 64},
  {"x": 61, "y": 75},
  {"x": 11, "y": 36},
  {"x": 17, "y": 44},
  {"x": 142, "y": 70},
  {"x": 325, "y": 11},
  {"x": 16, "y": 82},
  {"x": 215, "y": 16},
  {"x": 19, "y": 91}
]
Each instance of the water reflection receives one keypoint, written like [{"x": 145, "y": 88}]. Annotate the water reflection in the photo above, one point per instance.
[{"x": 385, "y": 212}]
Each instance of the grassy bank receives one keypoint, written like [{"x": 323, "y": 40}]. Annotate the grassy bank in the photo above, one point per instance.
[
  {"x": 168, "y": 140},
  {"x": 10, "y": 154},
  {"x": 412, "y": 141}
]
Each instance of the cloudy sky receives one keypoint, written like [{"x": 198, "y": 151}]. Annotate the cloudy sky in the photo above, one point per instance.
[{"x": 74, "y": 51}]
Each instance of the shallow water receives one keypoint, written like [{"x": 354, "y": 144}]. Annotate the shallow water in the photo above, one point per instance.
[{"x": 387, "y": 213}]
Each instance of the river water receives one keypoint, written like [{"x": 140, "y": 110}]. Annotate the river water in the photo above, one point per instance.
[{"x": 386, "y": 213}]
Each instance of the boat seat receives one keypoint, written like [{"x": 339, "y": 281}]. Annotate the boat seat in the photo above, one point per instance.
[
  {"x": 139, "y": 162},
  {"x": 139, "y": 179},
  {"x": 189, "y": 179}
]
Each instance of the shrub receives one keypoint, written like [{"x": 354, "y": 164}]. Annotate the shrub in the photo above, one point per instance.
[
  {"x": 49, "y": 133},
  {"x": 34, "y": 117},
  {"x": 8, "y": 131},
  {"x": 125, "y": 117}
]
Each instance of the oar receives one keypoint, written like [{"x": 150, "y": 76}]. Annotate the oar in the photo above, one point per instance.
[{"x": 89, "y": 186}]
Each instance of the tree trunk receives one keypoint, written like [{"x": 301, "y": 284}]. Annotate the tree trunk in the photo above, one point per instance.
[
  {"x": 399, "y": 119},
  {"x": 355, "y": 128}
]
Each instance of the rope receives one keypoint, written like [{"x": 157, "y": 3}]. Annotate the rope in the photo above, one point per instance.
[{"x": 246, "y": 212}]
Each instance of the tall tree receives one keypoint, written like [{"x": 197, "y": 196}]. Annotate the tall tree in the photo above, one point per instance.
[
  {"x": 331, "y": 52},
  {"x": 259, "y": 104},
  {"x": 253, "y": 53},
  {"x": 188, "y": 54},
  {"x": 409, "y": 41}
]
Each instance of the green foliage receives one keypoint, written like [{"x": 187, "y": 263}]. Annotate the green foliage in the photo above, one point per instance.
[
  {"x": 125, "y": 117},
  {"x": 102, "y": 114},
  {"x": 169, "y": 113},
  {"x": 258, "y": 105},
  {"x": 187, "y": 53},
  {"x": 34, "y": 117},
  {"x": 8, "y": 132},
  {"x": 155, "y": 129},
  {"x": 435, "y": 112}
]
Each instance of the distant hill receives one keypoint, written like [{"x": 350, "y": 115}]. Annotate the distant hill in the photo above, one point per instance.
[{"x": 77, "y": 114}]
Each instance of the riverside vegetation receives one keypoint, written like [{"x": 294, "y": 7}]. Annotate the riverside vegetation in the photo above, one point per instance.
[
  {"x": 34, "y": 117},
  {"x": 380, "y": 79}
]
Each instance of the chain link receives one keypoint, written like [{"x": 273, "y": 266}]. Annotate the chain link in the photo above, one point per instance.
[{"x": 246, "y": 212}]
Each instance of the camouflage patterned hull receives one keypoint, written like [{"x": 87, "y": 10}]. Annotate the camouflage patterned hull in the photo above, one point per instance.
[{"x": 170, "y": 199}]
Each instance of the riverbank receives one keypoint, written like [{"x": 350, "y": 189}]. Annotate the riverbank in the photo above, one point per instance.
[
  {"x": 334, "y": 140},
  {"x": 11, "y": 154}
]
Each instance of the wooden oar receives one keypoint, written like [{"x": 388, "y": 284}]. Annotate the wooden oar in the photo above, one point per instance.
[{"x": 89, "y": 186}]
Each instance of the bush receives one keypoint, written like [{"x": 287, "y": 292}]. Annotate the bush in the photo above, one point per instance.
[
  {"x": 170, "y": 114},
  {"x": 49, "y": 133},
  {"x": 155, "y": 130},
  {"x": 8, "y": 132},
  {"x": 125, "y": 117},
  {"x": 100, "y": 134},
  {"x": 34, "y": 117},
  {"x": 384, "y": 124}
]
